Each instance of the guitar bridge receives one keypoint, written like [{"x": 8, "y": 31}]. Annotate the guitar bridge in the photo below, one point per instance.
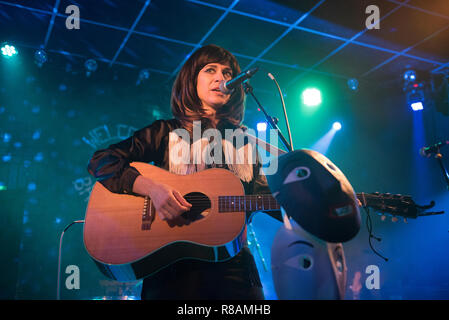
[{"x": 148, "y": 214}]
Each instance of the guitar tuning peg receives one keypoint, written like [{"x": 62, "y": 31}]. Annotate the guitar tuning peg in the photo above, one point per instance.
[{"x": 394, "y": 219}]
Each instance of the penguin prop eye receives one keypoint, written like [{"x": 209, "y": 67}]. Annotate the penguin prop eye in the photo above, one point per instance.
[
  {"x": 316, "y": 194},
  {"x": 297, "y": 174},
  {"x": 305, "y": 267}
]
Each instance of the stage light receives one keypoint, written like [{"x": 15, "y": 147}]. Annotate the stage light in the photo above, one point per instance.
[
  {"x": 353, "y": 84},
  {"x": 6, "y": 137},
  {"x": 144, "y": 74},
  {"x": 91, "y": 66},
  {"x": 311, "y": 97},
  {"x": 416, "y": 106},
  {"x": 7, "y": 157},
  {"x": 410, "y": 75},
  {"x": 36, "y": 135},
  {"x": 261, "y": 126},
  {"x": 40, "y": 57},
  {"x": 9, "y": 51},
  {"x": 31, "y": 186},
  {"x": 39, "y": 157},
  {"x": 415, "y": 99},
  {"x": 336, "y": 126}
]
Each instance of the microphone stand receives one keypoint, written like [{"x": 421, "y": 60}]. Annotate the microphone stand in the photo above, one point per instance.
[
  {"x": 272, "y": 121},
  {"x": 439, "y": 157}
]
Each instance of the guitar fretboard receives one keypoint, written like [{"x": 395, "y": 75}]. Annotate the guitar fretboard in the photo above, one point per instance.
[
  {"x": 247, "y": 203},
  {"x": 394, "y": 204}
]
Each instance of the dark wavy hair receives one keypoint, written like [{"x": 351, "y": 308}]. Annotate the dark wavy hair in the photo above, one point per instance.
[{"x": 185, "y": 103}]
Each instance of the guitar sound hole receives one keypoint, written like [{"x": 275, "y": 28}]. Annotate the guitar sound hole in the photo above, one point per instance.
[{"x": 200, "y": 206}]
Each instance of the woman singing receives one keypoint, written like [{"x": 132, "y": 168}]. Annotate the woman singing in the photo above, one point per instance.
[{"x": 195, "y": 98}]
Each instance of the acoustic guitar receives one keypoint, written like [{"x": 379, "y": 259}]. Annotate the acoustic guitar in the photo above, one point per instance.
[{"x": 128, "y": 241}]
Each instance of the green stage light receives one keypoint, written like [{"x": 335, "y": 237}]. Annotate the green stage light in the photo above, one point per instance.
[
  {"x": 8, "y": 51},
  {"x": 311, "y": 97}
]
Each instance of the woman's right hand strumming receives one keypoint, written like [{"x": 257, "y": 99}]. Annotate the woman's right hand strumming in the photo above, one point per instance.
[{"x": 168, "y": 202}]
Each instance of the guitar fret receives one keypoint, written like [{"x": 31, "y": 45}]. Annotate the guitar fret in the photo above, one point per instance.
[{"x": 263, "y": 202}]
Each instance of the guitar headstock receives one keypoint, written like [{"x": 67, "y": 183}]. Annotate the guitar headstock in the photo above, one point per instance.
[
  {"x": 392, "y": 204},
  {"x": 396, "y": 205}
]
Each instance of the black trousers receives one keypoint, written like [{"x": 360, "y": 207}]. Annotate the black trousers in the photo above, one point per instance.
[{"x": 235, "y": 279}]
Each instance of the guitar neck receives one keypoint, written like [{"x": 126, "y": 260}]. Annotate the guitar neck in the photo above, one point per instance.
[{"x": 263, "y": 202}]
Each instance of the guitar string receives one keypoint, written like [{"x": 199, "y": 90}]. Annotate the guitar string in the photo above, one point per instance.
[
  {"x": 225, "y": 205},
  {"x": 225, "y": 202}
]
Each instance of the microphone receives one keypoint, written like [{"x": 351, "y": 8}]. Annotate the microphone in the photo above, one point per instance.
[
  {"x": 427, "y": 151},
  {"x": 228, "y": 86}
]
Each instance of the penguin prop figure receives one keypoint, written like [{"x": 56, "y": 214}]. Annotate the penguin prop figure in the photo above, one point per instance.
[{"x": 320, "y": 212}]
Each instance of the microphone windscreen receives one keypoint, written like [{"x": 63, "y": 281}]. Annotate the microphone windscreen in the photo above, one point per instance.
[{"x": 223, "y": 88}]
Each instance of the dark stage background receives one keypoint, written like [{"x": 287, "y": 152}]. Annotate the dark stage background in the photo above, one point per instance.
[{"x": 53, "y": 117}]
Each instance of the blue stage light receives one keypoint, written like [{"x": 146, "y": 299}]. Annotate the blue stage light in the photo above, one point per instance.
[
  {"x": 39, "y": 157},
  {"x": 353, "y": 84},
  {"x": 6, "y": 137},
  {"x": 6, "y": 157},
  {"x": 40, "y": 57},
  {"x": 410, "y": 75},
  {"x": 36, "y": 135},
  {"x": 415, "y": 99},
  {"x": 31, "y": 186}
]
